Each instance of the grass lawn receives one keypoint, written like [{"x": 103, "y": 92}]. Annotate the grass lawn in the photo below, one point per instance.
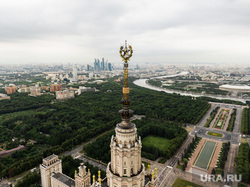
[
  {"x": 179, "y": 166},
  {"x": 155, "y": 141},
  {"x": 243, "y": 140},
  {"x": 215, "y": 134},
  {"x": 183, "y": 183},
  {"x": 189, "y": 129},
  {"x": 241, "y": 185}
]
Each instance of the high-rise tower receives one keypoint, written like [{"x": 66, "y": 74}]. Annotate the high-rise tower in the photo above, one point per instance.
[
  {"x": 75, "y": 73},
  {"x": 125, "y": 168}
]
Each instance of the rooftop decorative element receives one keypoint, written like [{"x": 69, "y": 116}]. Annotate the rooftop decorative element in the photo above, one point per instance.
[{"x": 126, "y": 53}]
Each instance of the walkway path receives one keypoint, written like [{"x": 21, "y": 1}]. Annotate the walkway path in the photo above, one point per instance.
[
  {"x": 228, "y": 118},
  {"x": 212, "y": 123},
  {"x": 195, "y": 154},
  {"x": 215, "y": 157},
  {"x": 97, "y": 164}
]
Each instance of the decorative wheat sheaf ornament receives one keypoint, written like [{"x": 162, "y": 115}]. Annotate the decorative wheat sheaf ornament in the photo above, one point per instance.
[{"x": 126, "y": 52}]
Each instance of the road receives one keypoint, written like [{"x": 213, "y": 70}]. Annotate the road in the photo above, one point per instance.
[
  {"x": 230, "y": 164},
  {"x": 78, "y": 148},
  {"x": 94, "y": 163},
  {"x": 177, "y": 156},
  {"x": 4, "y": 183},
  {"x": 74, "y": 152},
  {"x": 207, "y": 115},
  {"x": 163, "y": 176},
  {"x": 234, "y": 138}
]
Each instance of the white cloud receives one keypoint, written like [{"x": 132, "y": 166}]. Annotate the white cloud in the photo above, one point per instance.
[{"x": 160, "y": 31}]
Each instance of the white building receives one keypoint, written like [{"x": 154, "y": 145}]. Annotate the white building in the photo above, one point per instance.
[
  {"x": 235, "y": 88},
  {"x": 35, "y": 91},
  {"x": 65, "y": 94},
  {"x": 52, "y": 176},
  {"x": 85, "y": 89}
]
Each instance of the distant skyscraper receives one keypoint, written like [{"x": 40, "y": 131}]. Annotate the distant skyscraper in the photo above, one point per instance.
[
  {"x": 109, "y": 67},
  {"x": 75, "y": 73},
  {"x": 106, "y": 66},
  {"x": 102, "y": 64},
  {"x": 88, "y": 67},
  {"x": 97, "y": 65}
]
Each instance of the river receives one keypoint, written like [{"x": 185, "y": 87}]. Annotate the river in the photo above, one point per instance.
[{"x": 143, "y": 83}]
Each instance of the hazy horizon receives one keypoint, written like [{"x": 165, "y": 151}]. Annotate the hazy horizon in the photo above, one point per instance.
[{"x": 164, "y": 31}]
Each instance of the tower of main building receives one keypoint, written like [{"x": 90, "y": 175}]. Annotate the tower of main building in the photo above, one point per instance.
[{"x": 125, "y": 168}]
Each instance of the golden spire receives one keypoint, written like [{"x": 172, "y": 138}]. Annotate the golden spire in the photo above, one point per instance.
[
  {"x": 100, "y": 181},
  {"x": 126, "y": 53}
]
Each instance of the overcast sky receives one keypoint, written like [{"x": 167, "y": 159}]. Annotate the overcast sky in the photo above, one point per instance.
[{"x": 162, "y": 31}]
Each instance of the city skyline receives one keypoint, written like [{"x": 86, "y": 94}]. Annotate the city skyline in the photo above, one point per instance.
[{"x": 160, "y": 31}]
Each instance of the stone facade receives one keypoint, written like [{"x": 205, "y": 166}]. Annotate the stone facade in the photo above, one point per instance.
[
  {"x": 83, "y": 177},
  {"x": 125, "y": 168},
  {"x": 55, "y": 87},
  {"x": 11, "y": 89},
  {"x": 52, "y": 176},
  {"x": 35, "y": 91},
  {"x": 49, "y": 166},
  {"x": 65, "y": 94}
]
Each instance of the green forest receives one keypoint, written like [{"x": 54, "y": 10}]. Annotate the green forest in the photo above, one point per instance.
[
  {"x": 243, "y": 162},
  {"x": 222, "y": 159},
  {"x": 21, "y": 101},
  {"x": 232, "y": 121},
  {"x": 58, "y": 126},
  {"x": 211, "y": 118},
  {"x": 100, "y": 149},
  {"x": 70, "y": 165},
  {"x": 245, "y": 122}
]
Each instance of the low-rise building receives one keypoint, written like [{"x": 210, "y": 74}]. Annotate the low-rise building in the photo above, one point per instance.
[
  {"x": 24, "y": 89},
  {"x": 46, "y": 88},
  {"x": 4, "y": 96},
  {"x": 55, "y": 87},
  {"x": 11, "y": 89},
  {"x": 35, "y": 91},
  {"x": 65, "y": 94},
  {"x": 86, "y": 89}
]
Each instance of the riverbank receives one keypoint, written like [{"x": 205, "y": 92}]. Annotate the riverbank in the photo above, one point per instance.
[{"x": 143, "y": 83}]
